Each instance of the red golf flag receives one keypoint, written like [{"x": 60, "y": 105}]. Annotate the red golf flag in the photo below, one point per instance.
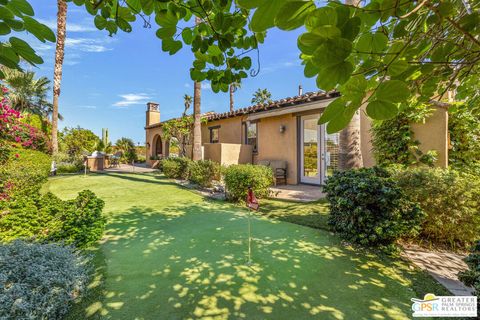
[{"x": 252, "y": 202}]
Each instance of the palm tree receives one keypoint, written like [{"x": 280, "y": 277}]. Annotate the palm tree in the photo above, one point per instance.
[
  {"x": 233, "y": 87},
  {"x": 197, "y": 126},
  {"x": 187, "y": 101},
  {"x": 262, "y": 96},
  {"x": 28, "y": 94},
  {"x": 183, "y": 137},
  {"x": 349, "y": 144},
  {"x": 127, "y": 147},
  {"x": 57, "y": 73}
]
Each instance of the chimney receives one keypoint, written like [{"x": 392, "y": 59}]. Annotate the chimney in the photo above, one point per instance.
[
  {"x": 153, "y": 113},
  {"x": 300, "y": 90}
]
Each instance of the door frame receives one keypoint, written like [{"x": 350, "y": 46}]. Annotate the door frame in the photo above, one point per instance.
[{"x": 320, "y": 151}]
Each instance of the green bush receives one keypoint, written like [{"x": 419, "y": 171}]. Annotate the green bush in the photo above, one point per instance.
[
  {"x": 39, "y": 281},
  {"x": 368, "y": 208},
  {"x": 48, "y": 218},
  {"x": 451, "y": 201},
  {"x": 68, "y": 168},
  {"x": 176, "y": 168},
  {"x": 239, "y": 177},
  {"x": 471, "y": 277},
  {"x": 24, "y": 172},
  {"x": 203, "y": 172}
]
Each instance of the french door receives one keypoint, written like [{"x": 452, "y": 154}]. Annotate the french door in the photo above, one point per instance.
[
  {"x": 318, "y": 151},
  {"x": 310, "y": 150}
]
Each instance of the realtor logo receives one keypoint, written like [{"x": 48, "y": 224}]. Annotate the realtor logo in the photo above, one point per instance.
[{"x": 444, "y": 306}]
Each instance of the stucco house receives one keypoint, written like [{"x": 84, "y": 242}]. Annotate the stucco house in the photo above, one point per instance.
[{"x": 287, "y": 130}]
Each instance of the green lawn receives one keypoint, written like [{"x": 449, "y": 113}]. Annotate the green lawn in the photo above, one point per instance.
[{"x": 170, "y": 254}]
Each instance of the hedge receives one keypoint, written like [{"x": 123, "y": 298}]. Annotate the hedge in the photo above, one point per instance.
[{"x": 451, "y": 201}]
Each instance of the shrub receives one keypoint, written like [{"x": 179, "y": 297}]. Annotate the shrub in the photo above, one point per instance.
[
  {"x": 368, "y": 208},
  {"x": 471, "y": 277},
  {"x": 68, "y": 168},
  {"x": 82, "y": 223},
  {"x": 176, "y": 168},
  {"x": 239, "y": 177},
  {"x": 451, "y": 201},
  {"x": 39, "y": 281},
  {"x": 14, "y": 129},
  {"x": 24, "y": 172},
  {"x": 203, "y": 172},
  {"x": 48, "y": 218}
]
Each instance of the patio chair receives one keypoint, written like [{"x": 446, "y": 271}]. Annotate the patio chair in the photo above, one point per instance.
[
  {"x": 279, "y": 168},
  {"x": 115, "y": 160}
]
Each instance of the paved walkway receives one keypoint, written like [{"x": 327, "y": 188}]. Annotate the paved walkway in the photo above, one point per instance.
[
  {"x": 128, "y": 168},
  {"x": 298, "y": 192},
  {"x": 443, "y": 266}
]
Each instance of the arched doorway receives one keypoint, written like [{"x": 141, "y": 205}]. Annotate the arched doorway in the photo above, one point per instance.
[{"x": 157, "y": 146}]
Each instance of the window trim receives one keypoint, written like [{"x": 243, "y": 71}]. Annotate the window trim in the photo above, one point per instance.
[{"x": 210, "y": 129}]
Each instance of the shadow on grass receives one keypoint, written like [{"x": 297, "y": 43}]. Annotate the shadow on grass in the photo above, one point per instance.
[
  {"x": 189, "y": 261},
  {"x": 310, "y": 214}
]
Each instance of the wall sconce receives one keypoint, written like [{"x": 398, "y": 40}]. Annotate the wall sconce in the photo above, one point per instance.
[
  {"x": 148, "y": 145},
  {"x": 282, "y": 128}
]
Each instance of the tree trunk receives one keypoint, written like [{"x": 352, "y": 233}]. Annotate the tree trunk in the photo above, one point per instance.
[
  {"x": 350, "y": 152},
  {"x": 231, "y": 98},
  {"x": 197, "y": 125},
  {"x": 57, "y": 73}
]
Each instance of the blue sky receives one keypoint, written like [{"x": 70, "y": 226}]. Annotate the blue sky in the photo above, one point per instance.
[{"x": 108, "y": 80}]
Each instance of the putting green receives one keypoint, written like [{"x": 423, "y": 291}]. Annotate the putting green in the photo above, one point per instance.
[{"x": 168, "y": 253}]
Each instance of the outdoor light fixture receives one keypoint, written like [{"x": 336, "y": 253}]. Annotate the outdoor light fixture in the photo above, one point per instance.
[{"x": 282, "y": 128}]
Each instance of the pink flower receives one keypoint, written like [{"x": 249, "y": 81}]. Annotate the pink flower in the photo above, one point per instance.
[{"x": 17, "y": 155}]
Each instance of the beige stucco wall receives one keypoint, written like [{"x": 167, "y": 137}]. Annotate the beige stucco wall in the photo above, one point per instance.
[
  {"x": 230, "y": 130},
  {"x": 273, "y": 145},
  {"x": 228, "y": 153},
  {"x": 150, "y": 135},
  {"x": 433, "y": 135}
]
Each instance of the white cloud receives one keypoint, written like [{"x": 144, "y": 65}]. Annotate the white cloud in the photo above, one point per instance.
[
  {"x": 280, "y": 65},
  {"x": 85, "y": 26},
  {"x": 206, "y": 85},
  {"x": 88, "y": 107},
  {"x": 86, "y": 45},
  {"x": 130, "y": 99},
  {"x": 187, "y": 85}
]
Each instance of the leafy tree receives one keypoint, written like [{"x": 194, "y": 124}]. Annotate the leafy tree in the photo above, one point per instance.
[
  {"x": 17, "y": 16},
  {"x": 57, "y": 72},
  {"x": 385, "y": 53},
  {"x": 27, "y": 93},
  {"x": 75, "y": 141},
  {"x": 262, "y": 96}
]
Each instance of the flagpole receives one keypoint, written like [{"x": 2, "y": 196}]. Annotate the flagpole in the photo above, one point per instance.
[{"x": 249, "y": 262}]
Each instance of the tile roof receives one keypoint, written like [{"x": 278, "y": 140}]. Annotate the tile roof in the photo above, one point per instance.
[
  {"x": 277, "y": 104},
  {"x": 282, "y": 103}
]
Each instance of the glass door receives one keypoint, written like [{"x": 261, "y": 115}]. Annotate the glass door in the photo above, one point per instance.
[
  {"x": 310, "y": 165},
  {"x": 331, "y": 153}
]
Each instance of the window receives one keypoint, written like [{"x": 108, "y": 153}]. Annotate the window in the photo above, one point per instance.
[
  {"x": 251, "y": 135},
  {"x": 214, "y": 134}
]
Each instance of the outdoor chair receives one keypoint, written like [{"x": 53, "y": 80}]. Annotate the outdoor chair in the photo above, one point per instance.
[
  {"x": 279, "y": 168},
  {"x": 115, "y": 160}
]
